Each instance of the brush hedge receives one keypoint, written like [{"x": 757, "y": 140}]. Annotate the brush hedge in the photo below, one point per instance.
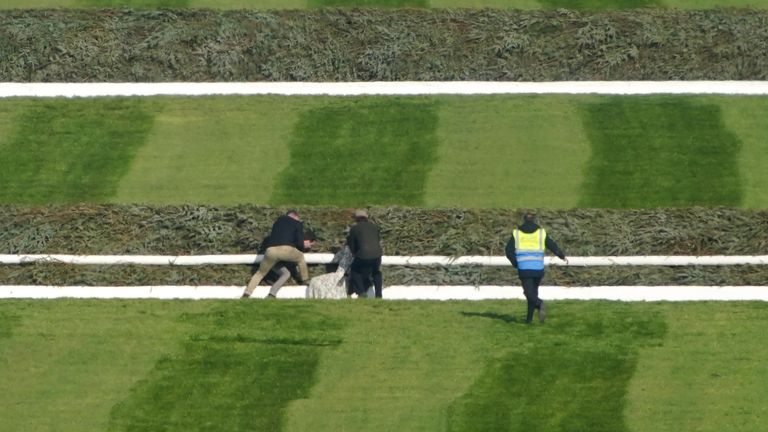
[
  {"x": 188, "y": 229},
  {"x": 113, "y": 45}
]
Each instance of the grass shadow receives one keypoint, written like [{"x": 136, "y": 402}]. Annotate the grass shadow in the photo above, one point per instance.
[{"x": 507, "y": 318}]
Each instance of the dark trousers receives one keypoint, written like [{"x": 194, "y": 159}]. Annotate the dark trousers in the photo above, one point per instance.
[
  {"x": 362, "y": 271},
  {"x": 531, "y": 291}
]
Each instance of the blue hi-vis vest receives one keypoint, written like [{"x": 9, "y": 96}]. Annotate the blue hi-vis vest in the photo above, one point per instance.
[{"x": 529, "y": 249}]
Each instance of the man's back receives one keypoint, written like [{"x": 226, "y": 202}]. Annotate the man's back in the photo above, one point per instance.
[
  {"x": 287, "y": 231},
  {"x": 364, "y": 240}
]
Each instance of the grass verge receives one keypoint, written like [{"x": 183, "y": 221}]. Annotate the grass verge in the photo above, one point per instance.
[{"x": 461, "y": 366}]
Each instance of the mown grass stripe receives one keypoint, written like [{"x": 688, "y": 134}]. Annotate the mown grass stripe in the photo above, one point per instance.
[
  {"x": 530, "y": 385},
  {"x": 361, "y": 151},
  {"x": 349, "y": 365},
  {"x": 221, "y": 150},
  {"x": 392, "y": 372},
  {"x": 745, "y": 117},
  {"x": 504, "y": 152},
  {"x": 717, "y": 383},
  {"x": 479, "y": 151},
  {"x": 70, "y": 361},
  {"x": 659, "y": 152},
  {"x": 239, "y": 368},
  {"x": 71, "y": 151}
]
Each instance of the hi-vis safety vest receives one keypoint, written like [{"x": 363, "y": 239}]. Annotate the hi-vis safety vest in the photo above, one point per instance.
[{"x": 529, "y": 249}]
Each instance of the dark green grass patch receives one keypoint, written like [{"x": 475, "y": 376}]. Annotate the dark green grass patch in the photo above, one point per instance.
[
  {"x": 570, "y": 375},
  {"x": 361, "y": 151},
  {"x": 237, "y": 372},
  {"x": 8, "y": 321},
  {"x": 659, "y": 152},
  {"x": 64, "y": 151}
]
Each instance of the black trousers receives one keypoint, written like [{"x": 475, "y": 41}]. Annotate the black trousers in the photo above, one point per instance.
[
  {"x": 531, "y": 291},
  {"x": 362, "y": 271}
]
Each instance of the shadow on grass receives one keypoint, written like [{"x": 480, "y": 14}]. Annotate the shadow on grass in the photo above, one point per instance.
[
  {"x": 267, "y": 341},
  {"x": 510, "y": 319}
]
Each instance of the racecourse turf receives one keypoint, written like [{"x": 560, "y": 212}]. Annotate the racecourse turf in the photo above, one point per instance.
[
  {"x": 68, "y": 152},
  {"x": 302, "y": 4},
  {"x": 372, "y": 149},
  {"x": 128, "y": 365},
  {"x": 686, "y": 156},
  {"x": 447, "y": 151}
]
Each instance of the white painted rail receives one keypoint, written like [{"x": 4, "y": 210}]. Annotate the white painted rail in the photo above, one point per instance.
[
  {"x": 403, "y": 88},
  {"x": 426, "y": 260},
  {"x": 401, "y": 292}
]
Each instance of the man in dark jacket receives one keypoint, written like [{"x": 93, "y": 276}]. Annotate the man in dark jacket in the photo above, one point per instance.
[
  {"x": 525, "y": 250},
  {"x": 281, "y": 271},
  {"x": 286, "y": 244},
  {"x": 364, "y": 241}
]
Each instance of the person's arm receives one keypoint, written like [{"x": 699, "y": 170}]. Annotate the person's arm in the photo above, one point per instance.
[
  {"x": 299, "y": 236},
  {"x": 554, "y": 248},
  {"x": 510, "y": 252},
  {"x": 352, "y": 241}
]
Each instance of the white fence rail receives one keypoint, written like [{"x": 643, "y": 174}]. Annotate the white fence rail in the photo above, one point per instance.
[
  {"x": 426, "y": 260},
  {"x": 444, "y": 292},
  {"x": 402, "y": 292},
  {"x": 405, "y": 88}
]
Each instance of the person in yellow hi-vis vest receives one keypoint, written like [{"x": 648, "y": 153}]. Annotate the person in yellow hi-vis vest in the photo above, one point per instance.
[{"x": 525, "y": 250}]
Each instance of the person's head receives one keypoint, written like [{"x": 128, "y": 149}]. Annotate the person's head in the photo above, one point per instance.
[
  {"x": 361, "y": 215},
  {"x": 293, "y": 214},
  {"x": 310, "y": 238},
  {"x": 529, "y": 216}
]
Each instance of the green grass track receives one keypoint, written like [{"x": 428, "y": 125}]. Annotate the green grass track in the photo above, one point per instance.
[
  {"x": 346, "y": 365},
  {"x": 550, "y": 151},
  {"x": 301, "y": 4}
]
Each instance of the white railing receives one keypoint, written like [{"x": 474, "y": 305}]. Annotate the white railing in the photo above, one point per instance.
[
  {"x": 426, "y": 260},
  {"x": 401, "y": 292},
  {"x": 10, "y": 89}
]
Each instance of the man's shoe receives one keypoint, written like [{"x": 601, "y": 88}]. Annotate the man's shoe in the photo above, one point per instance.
[
  {"x": 245, "y": 296},
  {"x": 270, "y": 296},
  {"x": 542, "y": 312}
]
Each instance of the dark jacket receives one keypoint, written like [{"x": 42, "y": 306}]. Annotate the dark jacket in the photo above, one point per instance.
[
  {"x": 287, "y": 231},
  {"x": 364, "y": 240},
  {"x": 529, "y": 227}
]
